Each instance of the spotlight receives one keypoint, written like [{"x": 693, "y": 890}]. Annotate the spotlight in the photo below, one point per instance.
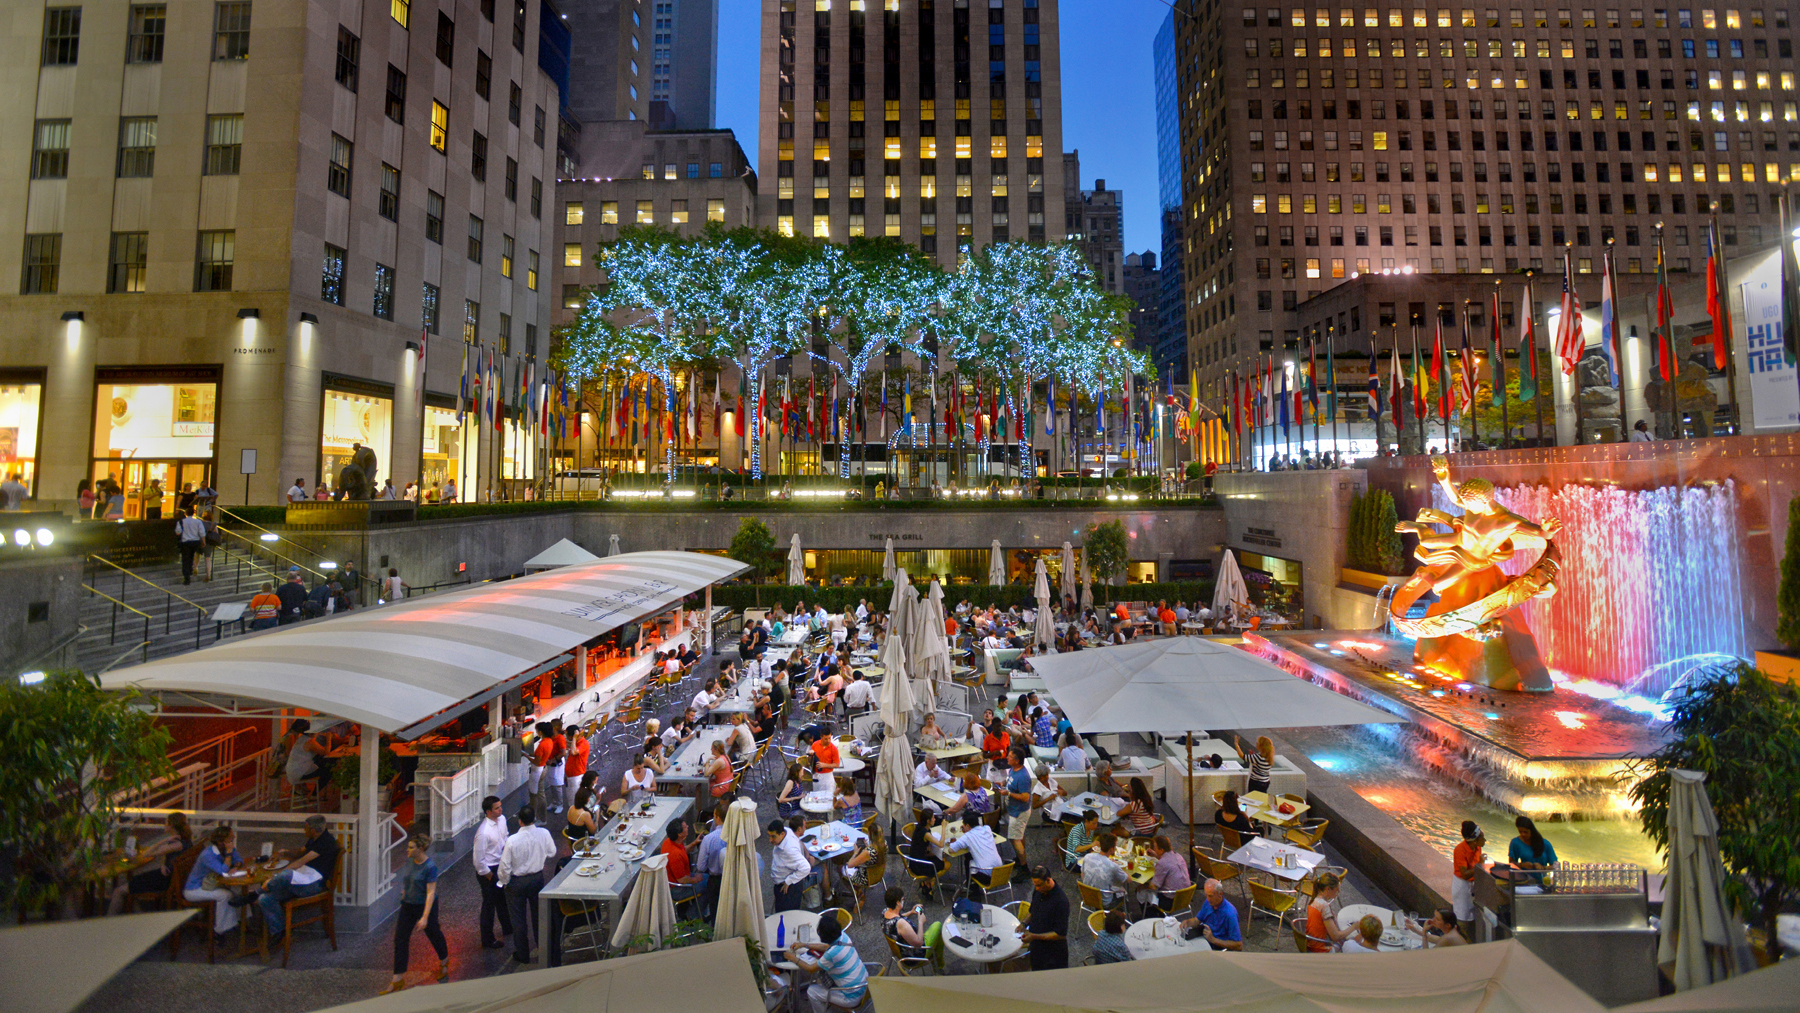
[
  {"x": 327, "y": 565},
  {"x": 75, "y": 315},
  {"x": 45, "y": 537},
  {"x": 21, "y": 537},
  {"x": 249, "y": 313},
  {"x": 309, "y": 318},
  {"x": 30, "y": 678},
  {"x": 270, "y": 536}
]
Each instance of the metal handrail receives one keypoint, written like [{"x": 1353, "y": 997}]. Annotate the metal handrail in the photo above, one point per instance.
[
  {"x": 112, "y": 634},
  {"x": 260, "y": 545},
  {"x": 257, "y": 545},
  {"x": 116, "y": 601},
  {"x": 32, "y": 663},
  {"x": 150, "y": 583}
]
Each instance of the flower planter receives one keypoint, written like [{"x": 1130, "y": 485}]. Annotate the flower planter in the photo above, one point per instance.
[
  {"x": 1782, "y": 666},
  {"x": 1372, "y": 581}
]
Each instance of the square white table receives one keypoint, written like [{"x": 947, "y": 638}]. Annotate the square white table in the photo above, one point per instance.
[
  {"x": 1260, "y": 854},
  {"x": 608, "y": 889}
]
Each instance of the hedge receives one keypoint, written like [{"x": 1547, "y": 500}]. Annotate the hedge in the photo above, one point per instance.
[{"x": 836, "y": 599}]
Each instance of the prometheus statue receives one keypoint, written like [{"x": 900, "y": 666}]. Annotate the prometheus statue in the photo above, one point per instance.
[{"x": 1474, "y": 628}]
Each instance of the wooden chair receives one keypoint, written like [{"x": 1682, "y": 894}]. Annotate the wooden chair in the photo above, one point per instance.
[
  {"x": 324, "y": 908},
  {"x": 1270, "y": 901},
  {"x": 183, "y": 868}
]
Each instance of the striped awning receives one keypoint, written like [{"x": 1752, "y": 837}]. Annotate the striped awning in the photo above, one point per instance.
[{"x": 398, "y": 665}]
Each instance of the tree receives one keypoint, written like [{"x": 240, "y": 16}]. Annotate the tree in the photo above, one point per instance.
[
  {"x": 1107, "y": 550},
  {"x": 753, "y": 544},
  {"x": 1374, "y": 545},
  {"x": 1742, "y": 730},
  {"x": 1787, "y": 595},
  {"x": 72, "y": 752}
]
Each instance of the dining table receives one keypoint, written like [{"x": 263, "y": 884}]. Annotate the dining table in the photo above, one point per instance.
[
  {"x": 783, "y": 929},
  {"x": 1281, "y": 860},
  {"x": 832, "y": 844},
  {"x": 687, "y": 767},
  {"x": 1148, "y": 938},
  {"x": 954, "y": 749},
  {"x": 604, "y": 868},
  {"x": 1089, "y": 801},
  {"x": 987, "y": 942},
  {"x": 1394, "y": 935},
  {"x": 1261, "y": 806}
]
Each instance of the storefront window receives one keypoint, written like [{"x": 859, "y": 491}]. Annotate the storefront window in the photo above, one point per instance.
[
  {"x": 350, "y": 419},
  {"x": 19, "y": 407},
  {"x": 448, "y": 454},
  {"x": 151, "y": 440},
  {"x": 518, "y": 451},
  {"x": 1273, "y": 582}
]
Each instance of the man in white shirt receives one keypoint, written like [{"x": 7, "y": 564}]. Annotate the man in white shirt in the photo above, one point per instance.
[
  {"x": 789, "y": 867},
  {"x": 1640, "y": 433},
  {"x": 929, "y": 773},
  {"x": 521, "y": 874},
  {"x": 993, "y": 641},
  {"x": 1099, "y": 871},
  {"x": 984, "y": 854},
  {"x": 490, "y": 841},
  {"x": 190, "y": 534},
  {"x": 1206, "y": 614},
  {"x": 862, "y": 610},
  {"x": 859, "y": 694},
  {"x": 297, "y": 492},
  {"x": 704, "y": 699}
]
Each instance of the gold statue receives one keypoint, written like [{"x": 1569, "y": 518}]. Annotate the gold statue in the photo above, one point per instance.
[{"x": 1474, "y": 629}]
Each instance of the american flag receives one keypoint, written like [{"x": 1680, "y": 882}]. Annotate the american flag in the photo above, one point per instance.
[{"x": 1568, "y": 326}]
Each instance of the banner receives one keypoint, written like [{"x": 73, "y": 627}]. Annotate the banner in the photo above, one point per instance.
[{"x": 1767, "y": 377}]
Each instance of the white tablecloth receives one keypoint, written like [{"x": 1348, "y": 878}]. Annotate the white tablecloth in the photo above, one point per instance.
[
  {"x": 964, "y": 940},
  {"x": 1169, "y": 942}
]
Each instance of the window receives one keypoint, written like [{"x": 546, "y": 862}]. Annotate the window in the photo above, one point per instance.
[
  {"x": 519, "y": 24},
  {"x": 646, "y": 213},
  {"x": 383, "y": 305},
  {"x": 390, "y": 193},
  {"x": 571, "y": 254},
  {"x": 127, "y": 262},
  {"x": 144, "y": 43},
  {"x": 475, "y": 239},
  {"x": 514, "y": 97},
  {"x": 512, "y": 180},
  {"x": 478, "y": 157},
  {"x": 43, "y": 263},
  {"x": 428, "y": 308},
  {"x": 571, "y": 297},
  {"x": 137, "y": 146},
  {"x": 484, "y": 73},
  {"x": 224, "y": 144},
  {"x": 440, "y": 126},
  {"x": 396, "y": 94},
  {"x": 214, "y": 252},
  {"x": 446, "y": 39},
  {"x": 531, "y": 270},
  {"x": 401, "y": 11},
  {"x": 434, "y": 216},
  {"x": 349, "y": 58},
  {"x": 50, "y": 149},
  {"x": 609, "y": 212},
  {"x": 471, "y": 320},
  {"x": 572, "y": 213},
  {"x": 537, "y": 126},
  {"x": 331, "y": 276},
  {"x": 715, "y": 209},
  {"x": 716, "y": 170},
  {"x": 231, "y": 31},
  {"x": 337, "y": 173},
  {"x": 62, "y": 44},
  {"x": 537, "y": 197},
  {"x": 506, "y": 255}
]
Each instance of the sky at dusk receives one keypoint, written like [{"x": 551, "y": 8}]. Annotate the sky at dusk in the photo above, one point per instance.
[{"x": 1108, "y": 97}]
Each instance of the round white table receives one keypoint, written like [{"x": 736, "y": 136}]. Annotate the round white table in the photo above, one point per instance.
[
  {"x": 816, "y": 802},
  {"x": 1155, "y": 937},
  {"x": 964, "y": 940},
  {"x": 842, "y": 836},
  {"x": 1350, "y": 914},
  {"x": 848, "y": 765},
  {"x": 790, "y": 921}
]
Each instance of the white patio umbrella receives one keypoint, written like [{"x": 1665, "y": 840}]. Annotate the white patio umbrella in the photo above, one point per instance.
[
  {"x": 740, "y": 891},
  {"x": 1701, "y": 941},
  {"x": 651, "y": 909},
  {"x": 899, "y": 621},
  {"x": 996, "y": 564},
  {"x": 612, "y": 545},
  {"x": 1229, "y": 587},
  {"x": 894, "y": 770},
  {"x": 1087, "y": 591},
  {"x": 1068, "y": 571},
  {"x": 938, "y": 660},
  {"x": 1044, "y": 630},
  {"x": 796, "y": 562},
  {"x": 887, "y": 561},
  {"x": 922, "y": 654}
]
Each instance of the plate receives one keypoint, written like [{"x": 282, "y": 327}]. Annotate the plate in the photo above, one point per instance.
[
  {"x": 278, "y": 865},
  {"x": 630, "y": 854},
  {"x": 235, "y": 874}
]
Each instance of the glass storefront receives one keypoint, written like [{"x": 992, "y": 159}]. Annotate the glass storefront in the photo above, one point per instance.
[
  {"x": 447, "y": 453},
  {"x": 350, "y": 417},
  {"x": 20, "y": 407},
  {"x": 1273, "y": 582},
  {"x": 518, "y": 451},
  {"x": 153, "y": 437}
]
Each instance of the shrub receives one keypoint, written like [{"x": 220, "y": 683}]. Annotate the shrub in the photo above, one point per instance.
[
  {"x": 1374, "y": 545},
  {"x": 1787, "y": 595},
  {"x": 753, "y": 544}
]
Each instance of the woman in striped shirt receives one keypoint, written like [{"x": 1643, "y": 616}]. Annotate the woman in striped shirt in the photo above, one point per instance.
[
  {"x": 1141, "y": 809},
  {"x": 1261, "y": 762}
]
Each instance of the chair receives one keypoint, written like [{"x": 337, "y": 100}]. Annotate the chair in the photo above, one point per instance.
[
  {"x": 1218, "y": 868},
  {"x": 924, "y": 874},
  {"x": 1233, "y": 840},
  {"x": 1182, "y": 900},
  {"x": 585, "y": 918},
  {"x": 843, "y": 917},
  {"x": 183, "y": 868},
  {"x": 904, "y": 964},
  {"x": 1307, "y": 835},
  {"x": 1151, "y": 831},
  {"x": 1270, "y": 901},
  {"x": 324, "y": 904},
  {"x": 1096, "y": 921},
  {"x": 1093, "y": 902},
  {"x": 1000, "y": 879},
  {"x": 874, "y": 872},
  {"x": 1304, "y": 943}
]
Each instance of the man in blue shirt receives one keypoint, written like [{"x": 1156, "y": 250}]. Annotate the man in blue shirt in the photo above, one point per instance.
[
  {"x": 844, "y": 979},
  {"x": 1215, "y": 920},
  {"x": 711, "y": 862},
  {"x": 1018, "y": 801}
]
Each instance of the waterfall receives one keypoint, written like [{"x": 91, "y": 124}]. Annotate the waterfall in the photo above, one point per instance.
[{"x": 1649, "y": 577}]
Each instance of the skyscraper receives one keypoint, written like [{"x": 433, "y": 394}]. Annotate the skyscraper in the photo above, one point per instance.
[
  {"x": 1463, "y": 141},
  {"x": 653, "y": 60},
  {"x": 1170, "y": 354},
  {"x": 957, "y": 154},
  {"x": 1094, "y": 221}
]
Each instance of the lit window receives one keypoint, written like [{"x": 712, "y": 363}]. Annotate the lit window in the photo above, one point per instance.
[
  {"x": 571, "y": 254},
  {"x": 440, "y": 126}
]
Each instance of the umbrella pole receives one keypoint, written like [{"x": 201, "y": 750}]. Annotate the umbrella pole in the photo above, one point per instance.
[{"x": 1189, "y": 776}]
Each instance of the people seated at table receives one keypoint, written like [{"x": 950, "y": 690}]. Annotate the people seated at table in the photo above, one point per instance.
[
  {"x": 740, "y": 742},
  {"x": 907, "y": 928},
  {"x": 1043, "y": 728},
  {"x": 1366, "y": 938},
  {"x": 846, "y": 805},
  {"x": 931, "y": 736},
  {"x": 1105, "y": 784},
  {"x": 706, "y": 698},
  {"x": 929, "y": 773},
  {"x": 793, "y": 789},
  {"x": 789, "y": 867},
  {"x": 219, "y": 857},
  {"x": 684, "y": 882},
  {"x": 1215, "y": 920},
  {"x": 581, "y": 821},
  {"x": 1101, "y": 870},
  {"x": 996, "y": 743},
  {"x": 656, "y": 756},
  {"x": 919, "y": 854},
  {"x": 1441, "y": 929},
  {"x": 1232, "y": 817},
  {"x": 977, "y": 730},
  {"x": 156, "y": 873},
  {"x": 718, "y": 771},
  {"x": 1171, "y": 873},
  {"x": 1109, "y": 945},
  {"x": 825, "y": 752},
  {"x": 1530, "y": 850},
  {"x": 681, "y": 730},
  {"x": 843, "y": 980},
  {"x": 638, "y": 784},
  {"x": 1046, "y": 795},
  {"x": 767, "y": 719},
  {"x": 1321, "y": 920},
  {"x": 983, "y": 849},
  {"x": 1083, "y": 838},
  {"x": 1140, "y": 808}
]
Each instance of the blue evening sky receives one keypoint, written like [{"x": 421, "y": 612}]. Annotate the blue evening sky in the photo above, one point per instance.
[{"x": 1108, "y": 96}]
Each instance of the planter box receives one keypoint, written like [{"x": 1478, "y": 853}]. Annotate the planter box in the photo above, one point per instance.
[
  {"x": 1781, "y": 666},
  {"x": 1372, "y": 581},
  {"x": 350, "y": 514}
]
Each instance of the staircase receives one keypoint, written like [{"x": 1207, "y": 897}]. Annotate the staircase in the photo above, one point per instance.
[{"x": 166, "y": 618}]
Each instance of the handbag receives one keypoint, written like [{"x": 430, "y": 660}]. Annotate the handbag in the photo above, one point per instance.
[{"x": 965, "y": 910}]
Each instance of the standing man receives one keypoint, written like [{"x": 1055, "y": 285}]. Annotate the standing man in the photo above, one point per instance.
[
  {"x": 490, "y": 841},
  {"x": 521, "y": 874},
  {"x": 297, "y": 492},
  {"x": 292, "y": 596},
  {"x": 1467, "y": 862},
  {"x": 789, "y": 867},
  {"x": 12, "y": 492},
  {"x": 308, "y": 873},
  {"x": 1048, "y": 928},
  {"x": 190, "y": 531},
  {"x": 1018, "y": 801}
]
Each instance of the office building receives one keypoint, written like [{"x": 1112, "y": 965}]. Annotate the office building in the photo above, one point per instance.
[
  {"x": 1170, "y": 353},
  {"x": 1095, "y": 221},
  {"x": 1323, "y": 144},
  {"x": 237, "y": 226},
  {"x": 652, "y": 60},
  {"x": 876, "y": 121},
  {"x": 1142, "y": 284}
]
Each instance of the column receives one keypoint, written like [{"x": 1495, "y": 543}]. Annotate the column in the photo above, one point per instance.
[{"x": 373, "y": 849}]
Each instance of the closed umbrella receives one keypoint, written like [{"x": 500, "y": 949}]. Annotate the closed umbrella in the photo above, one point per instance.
[
  {"x": 939, "y": 640},
  {"x": 651, "y": 909},
  {"x": 1068, "y": 571},
  {"x": 1229, "y": 587},
  {"x": 1700, "y": 940},
  {"x": 887, "y": 561},
  {"x": 796, "y": 562},
  {"x": 894, "y": 771},
  {"x": 612, "y": 545},
  {"x": 921, "y": 654},
  {"x": 740, "y": 889},
  {"x": 899, "y": 621},
  {"x": 1044, "y": 630},
  {"x": 996, "y": 564},
  {"x": 1087, "y": 591}
]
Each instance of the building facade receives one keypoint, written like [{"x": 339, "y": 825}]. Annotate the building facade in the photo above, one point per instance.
[
  {"x": 1171, "y": 342},
  {"x": 1433, "y": 141},
  {"x": 1142, "y": 284},
  {"x": 1095, "y": 221},
  {"x": 875, "y": 122},
  {"x": 248, "y": 236},
  {"x": 651, "y": 60}
]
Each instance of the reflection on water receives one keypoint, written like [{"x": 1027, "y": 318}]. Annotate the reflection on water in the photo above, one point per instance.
[{"x": 1434, "y": 809}]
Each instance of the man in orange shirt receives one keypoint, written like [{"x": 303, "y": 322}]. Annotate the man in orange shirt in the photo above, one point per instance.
[
  {"x": 265, "y": 609},
  {"x": 825, "y": 751},
  {"x": 1166, "y": 616},
  {"x": 684, "y": 882},
  {"x": 575, "y": 764},
  {"x": 950, "y": 627}
]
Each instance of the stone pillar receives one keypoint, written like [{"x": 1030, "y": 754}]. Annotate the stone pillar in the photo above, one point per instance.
[{"x": 373, "y": 850}]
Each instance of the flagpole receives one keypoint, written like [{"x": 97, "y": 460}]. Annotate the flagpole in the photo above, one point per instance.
[
  {"x": 1724, "y": 297},
  {"x": 1468, "y": 351},
  {"x": 1537, "y": 394},
  {"x": 1498, "y": 372}
]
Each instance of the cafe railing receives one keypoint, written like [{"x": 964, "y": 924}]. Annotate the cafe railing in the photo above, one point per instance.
[
  {"x": 456, "y": 800},
  {"x": 184, "y": 789},
  {"x": 389, "y": 837}
]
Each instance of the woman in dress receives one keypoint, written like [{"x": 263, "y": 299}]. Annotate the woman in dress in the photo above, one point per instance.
[
  {"x": 638, "y": 784},
  {"x": 787, "y": 803},
  {"x": 919, "y": 853},
  {"x": 656, "y": 756},
  {"x": 846, "y": 803},
  {"x": 718, "y": 770},
  {"x": 930, "y": 735}
]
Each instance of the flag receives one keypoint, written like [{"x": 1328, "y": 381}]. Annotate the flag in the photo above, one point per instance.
[
  {"x": 1050, "y": 409},
  {"x": 1609, "y": 315},
  {"x": 1331, "y": 406},
  {"x": 1281, "y": 408},
  {"x": 1569, "y": 341},
  {"x": 693, "y": 412},
  {"x": 1312, "y": 375},
  {"x": 462, "y": 387},
  {"x": 906, "y": 407},
  {"x": 1718, "y": 297},
  {"x": 1665, "y": 316},
  {"x": 1498, "y": 372},
  {"x": 1397, "y": 395},
  {"x": 1421, "y": 381},
  {"x": 1465, "y": 378},
  {"x": 1528, "y": 347},
  {"x": 1790, "y": 289},
  {"x": 1438, "y": 374},
  {"x": 1375, "y": 408}
]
